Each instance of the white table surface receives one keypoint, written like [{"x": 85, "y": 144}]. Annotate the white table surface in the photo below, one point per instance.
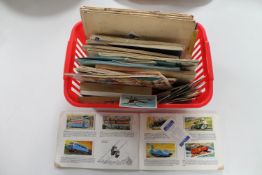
[{"x": 33, "y": 38}]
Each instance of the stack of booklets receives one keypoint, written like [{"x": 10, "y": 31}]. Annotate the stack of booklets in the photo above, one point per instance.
[{"x": 137, "y": 52}]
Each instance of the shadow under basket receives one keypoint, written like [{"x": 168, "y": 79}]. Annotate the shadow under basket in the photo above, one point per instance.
[{"x": 201, "y": 52}]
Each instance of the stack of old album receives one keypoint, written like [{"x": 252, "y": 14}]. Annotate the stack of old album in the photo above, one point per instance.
[{"x": 137, "y": 52}]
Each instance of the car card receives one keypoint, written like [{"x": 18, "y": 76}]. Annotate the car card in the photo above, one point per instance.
[{"x": 138, "y": 101}]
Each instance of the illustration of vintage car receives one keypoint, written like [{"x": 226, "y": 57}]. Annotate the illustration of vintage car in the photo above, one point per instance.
[
  {"x": 117, "y": 123},
  {"x": 159, "y": 153},
  {"x": 158, "y": 123},
  {"x": 82, "y": 122},
  {"x": 199, "y": 125},
  {"x": 76, "y": 147},
  {"x": 199, "y": 149}
]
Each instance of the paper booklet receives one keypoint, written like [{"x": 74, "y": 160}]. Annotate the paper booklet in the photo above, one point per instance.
[{"x": 139, "y": 141}]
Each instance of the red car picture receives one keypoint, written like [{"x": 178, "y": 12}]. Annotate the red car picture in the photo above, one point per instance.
[{"x": 200, "y": 149}]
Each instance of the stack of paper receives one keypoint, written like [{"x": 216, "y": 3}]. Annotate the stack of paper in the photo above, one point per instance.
[
  {"x": 149, "y": 51},
  {"x": 152, "y": 25}
]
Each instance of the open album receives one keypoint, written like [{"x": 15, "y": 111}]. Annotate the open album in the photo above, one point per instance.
[{"x": 139, "y": 141}]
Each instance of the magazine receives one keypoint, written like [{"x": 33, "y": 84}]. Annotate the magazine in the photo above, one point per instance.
[{"x": 139, "y": 141}]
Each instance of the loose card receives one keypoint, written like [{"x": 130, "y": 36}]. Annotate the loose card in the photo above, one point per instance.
[{"x": 138, "y": 101}]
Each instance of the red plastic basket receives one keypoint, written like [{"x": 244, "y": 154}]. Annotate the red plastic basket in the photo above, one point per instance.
[{"x": 201, "y": 52}]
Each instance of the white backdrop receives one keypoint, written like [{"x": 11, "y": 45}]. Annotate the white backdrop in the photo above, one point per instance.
[{"x": 33, "y": 38}]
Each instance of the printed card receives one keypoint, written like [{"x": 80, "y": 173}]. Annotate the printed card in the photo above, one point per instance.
[{"x": 138, "y": 101}]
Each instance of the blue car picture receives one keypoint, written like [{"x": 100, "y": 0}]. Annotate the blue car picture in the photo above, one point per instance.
[
  {"x": 80, "y": 122},
  {"x": 159, "y": 153},
  {"x": 76, "y": 148}
]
